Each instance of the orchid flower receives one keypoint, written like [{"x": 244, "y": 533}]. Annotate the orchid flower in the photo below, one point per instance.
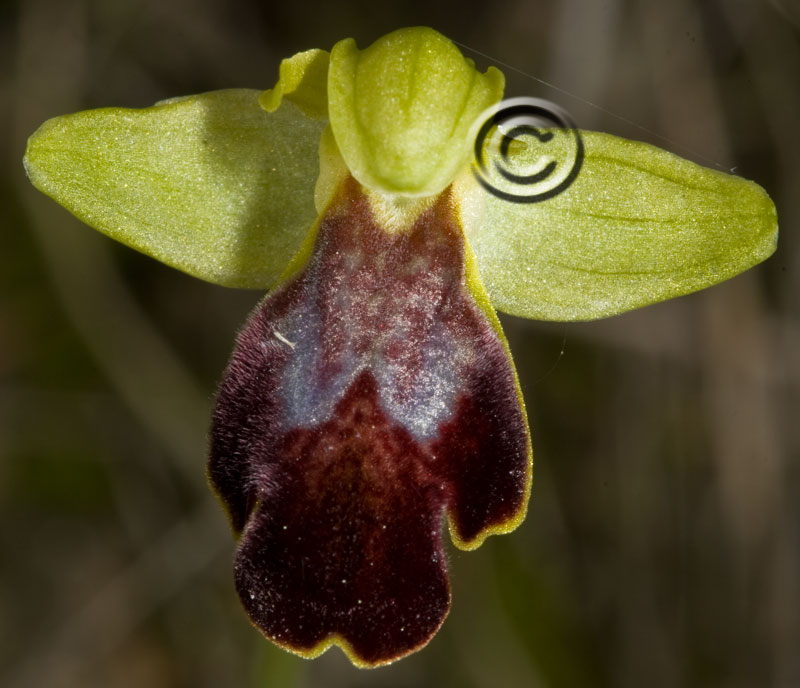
[{"x": 371, "y": 393}]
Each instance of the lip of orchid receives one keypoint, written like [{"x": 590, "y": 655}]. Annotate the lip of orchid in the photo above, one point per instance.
[{"x": 388, "y": 400}]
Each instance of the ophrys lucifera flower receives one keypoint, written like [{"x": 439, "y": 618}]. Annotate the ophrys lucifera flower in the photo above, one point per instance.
[{"x": 371, "y": 393}]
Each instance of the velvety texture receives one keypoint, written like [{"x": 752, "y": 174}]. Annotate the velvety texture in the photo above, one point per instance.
[{"x": 366, "y": 398}]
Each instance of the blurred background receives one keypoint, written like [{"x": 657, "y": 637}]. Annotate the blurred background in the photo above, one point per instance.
[{"x": 662, "y": 545}]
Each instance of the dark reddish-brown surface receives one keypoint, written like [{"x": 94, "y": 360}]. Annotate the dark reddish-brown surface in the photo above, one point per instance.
[{"x": 364, "y": 398}]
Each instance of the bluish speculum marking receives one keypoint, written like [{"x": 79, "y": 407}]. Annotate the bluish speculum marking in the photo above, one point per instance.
[
  {"x": 374, "y": 306},
  {"x": 366, "y": 398}
]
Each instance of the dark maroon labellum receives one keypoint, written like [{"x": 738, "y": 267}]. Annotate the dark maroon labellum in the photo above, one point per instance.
[{"x": 366, "y": 398}]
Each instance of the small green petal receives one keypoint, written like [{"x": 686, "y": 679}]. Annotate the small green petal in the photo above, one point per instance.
[
  {"x": 638, "y": 225},
  {"x": 210, "y": 184},
  {"x": 304, "y": 81},
  {"x": 401, "y": 109}
]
